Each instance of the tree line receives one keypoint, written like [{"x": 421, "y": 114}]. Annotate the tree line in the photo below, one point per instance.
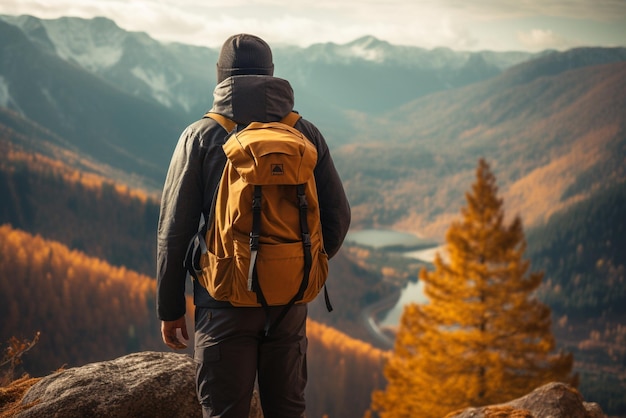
[{"x": 83, "y": 210}]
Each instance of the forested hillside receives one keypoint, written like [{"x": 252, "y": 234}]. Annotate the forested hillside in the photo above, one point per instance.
[
  {"x": 343, "y": 372},
  {"x": 582, "y": 253},
  {"x": 80, "y": 208},
  {"x": 85, "y": 309},
  {"x": 552, "y": 137},
  {"x": 88, "y": 310}
]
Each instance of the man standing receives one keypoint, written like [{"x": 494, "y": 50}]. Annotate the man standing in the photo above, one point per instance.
[{"x": 231, "y": 349}]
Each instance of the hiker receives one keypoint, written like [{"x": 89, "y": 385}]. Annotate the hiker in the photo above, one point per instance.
[{"x": 232, "y": 345}]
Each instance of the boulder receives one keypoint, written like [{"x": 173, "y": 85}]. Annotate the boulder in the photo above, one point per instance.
[
  {"x": 145, "y": 384},
  {"x": 553, "y": 400}
]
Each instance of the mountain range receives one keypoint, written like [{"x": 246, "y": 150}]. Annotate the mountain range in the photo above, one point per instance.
[
  {"x": 131, "y": 96},
  {"x": 182, "y": 76}
]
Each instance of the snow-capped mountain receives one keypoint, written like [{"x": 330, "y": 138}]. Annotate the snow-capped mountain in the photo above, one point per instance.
[
  {"x": 90, "y": 113},
  {"x": 168, "y": 73},
  {"x": 95, "y": 45},
  {"x": 181, "y": 77},
  {"x": 369, "y": 48},
  {"x": 370, "y": 75}
]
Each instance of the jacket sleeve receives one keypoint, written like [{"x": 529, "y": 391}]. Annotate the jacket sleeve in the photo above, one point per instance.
[
  {"x": 334, "y": 207},
  {"x": 181, "y": 207}
]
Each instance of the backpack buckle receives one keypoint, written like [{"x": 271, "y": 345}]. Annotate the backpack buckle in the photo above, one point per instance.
[
  {"x": 302, "y": 202},
  {"x": 254, "y": 241}
]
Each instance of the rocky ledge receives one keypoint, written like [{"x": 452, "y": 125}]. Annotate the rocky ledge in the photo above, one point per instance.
[{"x": 156, "y": 384}]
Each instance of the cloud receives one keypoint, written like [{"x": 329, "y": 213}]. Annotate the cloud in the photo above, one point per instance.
[
  {"x": 457, "y": 24},
  {"x": 415, "y": 22},
  {"x": 540, "y": 39},
  {"x": 597, "y": 10}
]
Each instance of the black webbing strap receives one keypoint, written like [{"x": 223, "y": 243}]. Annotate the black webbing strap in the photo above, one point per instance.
[
  {"x": 329, "y": 306},
  {"x": 253, "y": 277},
  {"x": 254, "y": 237},
  {"x": 308, "y": 259},
  {"x": 306, "y": 243},
  {"x": 306, "y": 240}
]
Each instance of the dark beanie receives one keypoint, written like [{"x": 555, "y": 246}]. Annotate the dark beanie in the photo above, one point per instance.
[{"x": 244, "y": 54}]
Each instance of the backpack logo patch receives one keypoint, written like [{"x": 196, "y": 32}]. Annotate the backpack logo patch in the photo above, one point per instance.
[{"x": 277, "y": 170}]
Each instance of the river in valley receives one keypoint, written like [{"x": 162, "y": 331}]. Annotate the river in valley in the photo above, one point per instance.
[{"x": 409, "y": 245}]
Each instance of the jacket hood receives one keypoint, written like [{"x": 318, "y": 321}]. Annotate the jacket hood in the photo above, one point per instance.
[{"x": 253, "y": 98}]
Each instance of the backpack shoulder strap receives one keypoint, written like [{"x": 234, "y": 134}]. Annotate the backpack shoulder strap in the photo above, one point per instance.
[
  {"x": 226, "y": 123},
  {"x": 291, "y": 119}
]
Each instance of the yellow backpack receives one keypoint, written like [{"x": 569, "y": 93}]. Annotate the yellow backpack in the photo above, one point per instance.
[{"x": 263, "y": 244}]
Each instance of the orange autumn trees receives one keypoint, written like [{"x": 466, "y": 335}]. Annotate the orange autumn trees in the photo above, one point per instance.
[
  {"x": 86, "y": 309},
  {"x": 484, "y": 337},
  {"x": 68, "y": 199},
  {"x": 343, "y": 372}
]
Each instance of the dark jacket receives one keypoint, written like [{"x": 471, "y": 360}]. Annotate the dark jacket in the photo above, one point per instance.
[{"x": 195, "y": 171}]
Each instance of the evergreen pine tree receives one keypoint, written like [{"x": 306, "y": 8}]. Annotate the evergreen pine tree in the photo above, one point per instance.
[{"x": 483, "y": 337}]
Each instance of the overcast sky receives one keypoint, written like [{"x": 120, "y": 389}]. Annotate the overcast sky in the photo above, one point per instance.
[{"x": 528, "y": 25}]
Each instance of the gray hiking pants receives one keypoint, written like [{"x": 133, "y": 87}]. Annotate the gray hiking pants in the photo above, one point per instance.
[{"x": 231, "y": 351}]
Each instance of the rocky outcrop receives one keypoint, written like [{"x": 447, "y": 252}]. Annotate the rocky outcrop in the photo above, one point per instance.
[
  {"x": 554, "y": 400},
  {"x": 161, "y": 385},
  {"x": 146, "y": 384}
]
